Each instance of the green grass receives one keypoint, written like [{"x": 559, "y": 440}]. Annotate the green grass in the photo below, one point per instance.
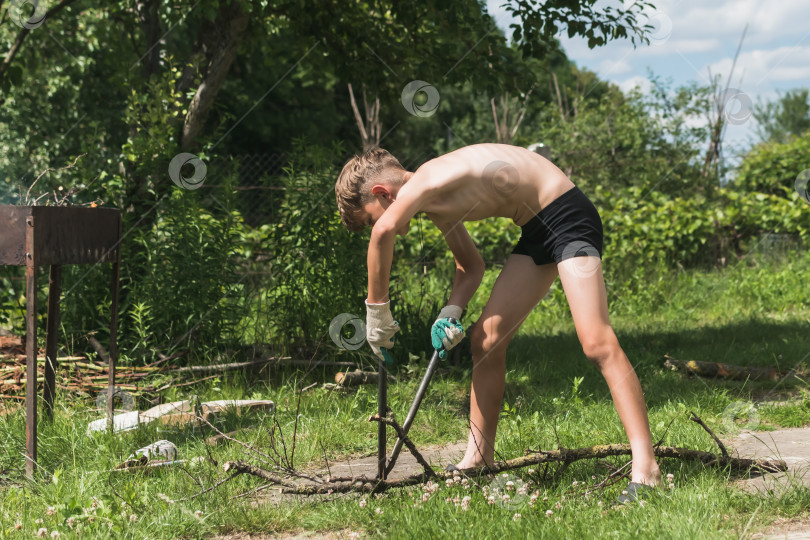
[{"x": 752, "y": 314}]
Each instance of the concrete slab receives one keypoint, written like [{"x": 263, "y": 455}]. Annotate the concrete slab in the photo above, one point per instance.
[
  {"x": 790, "y": 445},
  {"x": 438, "y": 456}
]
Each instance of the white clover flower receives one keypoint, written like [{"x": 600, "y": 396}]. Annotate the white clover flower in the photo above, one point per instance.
[
  {"x": 671, "y": 485},
  {"x": 38, "y": 521},
  {"x": 549, "y": 513},
  {"x": 557, "y": 505},
  {"x": 516, "y": 517},
  {"x": 378, "y": 510},
  {"x": 670, "y": 477},
  {"x": 70, "y": 521},
  {"x": 50, "y": 511},
  {"x": 574, "y": 483},
  {"x": 198, "y": 514},
  {"x": 132, "y": 518},
  {"x": 491, "y": 500},
  {"x": 531, "y": 471},
  {"x": 54, "y": 534},
  {"x": 363, "y": 503},
  {"x": 42, "y": 532}
]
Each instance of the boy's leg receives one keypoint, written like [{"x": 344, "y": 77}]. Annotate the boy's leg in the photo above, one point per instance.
[
  {"x": 584, "y": 288},
  {"x": 519, "y": 287}
]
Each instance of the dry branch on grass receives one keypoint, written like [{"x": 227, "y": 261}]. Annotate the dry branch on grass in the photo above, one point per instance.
[
  {"x": 357, "y": 377},
  {"x": 724, "y": 371},
  {"x": 564, "y": 456}
]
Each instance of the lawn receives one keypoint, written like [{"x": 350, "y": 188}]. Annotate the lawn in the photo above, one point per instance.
[{"x": 755, "y": 313}]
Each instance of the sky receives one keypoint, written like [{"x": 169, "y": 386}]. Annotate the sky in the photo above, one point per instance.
[{"x": 692, "y": 37}]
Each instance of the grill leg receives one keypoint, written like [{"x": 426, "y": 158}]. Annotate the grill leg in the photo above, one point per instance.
[
  {"x": 30, "y": 350},
  {"x": 51, "y": 362},
  {"x": 116, "y": 273}
]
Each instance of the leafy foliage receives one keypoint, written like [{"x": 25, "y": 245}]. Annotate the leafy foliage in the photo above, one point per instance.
[
  {"x": 786, "y": 117},
  {"x": 773, "y": 167}
]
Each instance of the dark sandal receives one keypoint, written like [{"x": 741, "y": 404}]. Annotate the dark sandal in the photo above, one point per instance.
[
  {"x": 452, "y": 468},
  {"x": 633, "y": 493}
]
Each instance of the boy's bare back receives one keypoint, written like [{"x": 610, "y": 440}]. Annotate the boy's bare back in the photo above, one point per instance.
[{"x": 485, "y": 180}]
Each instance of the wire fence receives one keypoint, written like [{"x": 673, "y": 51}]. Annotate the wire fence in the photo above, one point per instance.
[{"x": 260, "y": 187}]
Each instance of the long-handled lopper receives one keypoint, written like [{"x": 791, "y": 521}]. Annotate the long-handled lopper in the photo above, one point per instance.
[
  {"x": 420, "y": 394},
  {"x": 382, "y": 410}
]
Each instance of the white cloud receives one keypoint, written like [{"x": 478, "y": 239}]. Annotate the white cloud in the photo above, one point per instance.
[
  {"x": 764, "y": 67},
  {"x": 628, "y": 84},
  {"x": 612, "y": 67},
  {"x": 687, "y": 46}
]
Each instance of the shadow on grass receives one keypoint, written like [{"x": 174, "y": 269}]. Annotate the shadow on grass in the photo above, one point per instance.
[{"x": 549, "y": 364}]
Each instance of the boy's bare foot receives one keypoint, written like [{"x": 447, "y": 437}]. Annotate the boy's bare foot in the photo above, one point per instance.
[
  {"x": 464, "y": 465},
  {"x": 649, "y": 477}
]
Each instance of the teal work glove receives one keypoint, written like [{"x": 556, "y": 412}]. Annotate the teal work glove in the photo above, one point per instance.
[
  {"x": 380, "y": 327},
  {"x": 447, "y": 331}
]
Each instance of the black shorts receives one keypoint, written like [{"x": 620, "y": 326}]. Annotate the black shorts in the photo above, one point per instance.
[{"x": 569, "y": 226}]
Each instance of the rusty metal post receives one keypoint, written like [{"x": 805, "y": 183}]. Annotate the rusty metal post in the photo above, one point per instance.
[
  {"x": 116, "y": 272},
  {"x": 30, "y": 349},
  {"x": 51, "y": 337}
]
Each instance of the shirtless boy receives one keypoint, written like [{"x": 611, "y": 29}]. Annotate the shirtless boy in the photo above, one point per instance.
[{"x": 561, "y": 235}]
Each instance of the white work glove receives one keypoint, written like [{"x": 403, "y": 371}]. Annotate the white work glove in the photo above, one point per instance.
[
  {"x": 380, "y": 327},
  {"x": 446, "y": 334}
]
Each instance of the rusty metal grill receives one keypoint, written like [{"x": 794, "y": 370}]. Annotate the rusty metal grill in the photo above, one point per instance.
[{"x": 33, "y": 236}]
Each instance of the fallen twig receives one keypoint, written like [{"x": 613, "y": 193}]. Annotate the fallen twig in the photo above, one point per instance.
[
  {"x": 259, "y": 362},
  {"x": 725, "y": 371},
  {"x": 357, "y": 377},
  {"x": 406, "y": 441},
  {"x": 696, "y": 418},
  {"x": 562, "y": 455}
]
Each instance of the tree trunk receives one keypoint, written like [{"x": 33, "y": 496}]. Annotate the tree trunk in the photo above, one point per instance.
[
  {"x": 370, "y": 127},
  {"x": 225, "y": 37}
]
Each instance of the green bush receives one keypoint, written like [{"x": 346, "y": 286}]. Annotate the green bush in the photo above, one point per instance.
[
  {"x": 773, "y": 167},
  {"x": 315, "y": 268}
]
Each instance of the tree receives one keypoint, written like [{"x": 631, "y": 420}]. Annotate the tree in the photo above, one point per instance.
[
  {"x": 774, "y": 167},
  {"x": 786, "y": 117}
]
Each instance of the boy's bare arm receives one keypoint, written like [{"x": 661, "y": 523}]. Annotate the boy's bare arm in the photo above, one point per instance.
[
  {"x": 381, "y": 244},
  {"x": 469, "y": 264}
]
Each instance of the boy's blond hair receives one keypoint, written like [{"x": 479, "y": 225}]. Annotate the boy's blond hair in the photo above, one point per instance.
[{"x": 353, "y": 187}]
